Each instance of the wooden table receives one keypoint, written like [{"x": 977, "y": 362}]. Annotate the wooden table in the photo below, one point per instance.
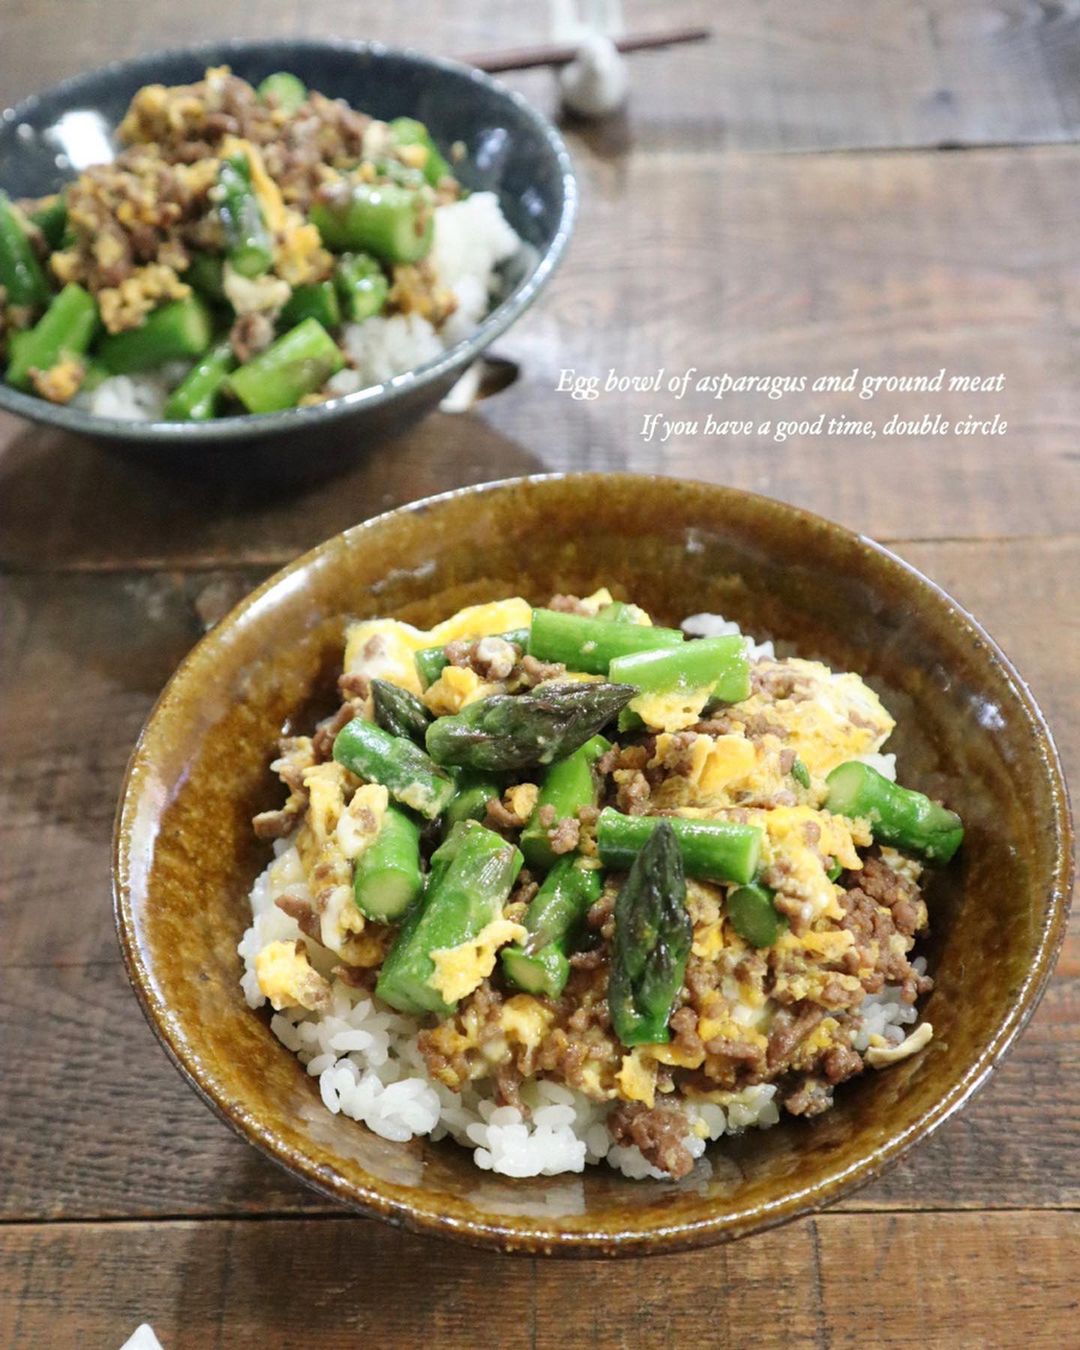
[{"x": 889, "y": 186}]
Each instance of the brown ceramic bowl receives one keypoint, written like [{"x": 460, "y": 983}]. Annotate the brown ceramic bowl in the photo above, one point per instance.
[{"x": 968, "y": 731}]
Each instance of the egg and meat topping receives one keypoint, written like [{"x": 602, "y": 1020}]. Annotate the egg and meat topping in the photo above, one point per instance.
[{"x": 605, "y": 855}]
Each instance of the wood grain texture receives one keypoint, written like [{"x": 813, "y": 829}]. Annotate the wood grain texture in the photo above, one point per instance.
[
  {"x": 81, "y": 661},
  {"x": 823, "y": 76},
  {"x": 999, "y": 1280}
]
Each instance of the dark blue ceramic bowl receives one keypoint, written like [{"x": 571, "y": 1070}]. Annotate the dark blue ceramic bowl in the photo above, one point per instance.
[{"x": 511, "y": 149}]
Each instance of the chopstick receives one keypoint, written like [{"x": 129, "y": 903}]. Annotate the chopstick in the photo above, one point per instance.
[{"x": 561, "y": 54}]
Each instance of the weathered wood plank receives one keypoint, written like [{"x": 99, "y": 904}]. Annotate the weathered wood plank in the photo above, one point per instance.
[
  {"x": 81, "y": 659},
  {"x": 822, "y": 75},
  {"x": 897, "y": 264},
  {"x": 982, "y": 1279}
]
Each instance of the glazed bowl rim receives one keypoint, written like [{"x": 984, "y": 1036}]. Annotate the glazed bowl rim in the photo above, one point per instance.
[
  {"x": 542, "y": 1236},
  {"x": 255, "y": 426}
]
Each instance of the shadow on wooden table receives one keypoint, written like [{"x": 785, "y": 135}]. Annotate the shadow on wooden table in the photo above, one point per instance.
[{"x": 67, "y": 503}]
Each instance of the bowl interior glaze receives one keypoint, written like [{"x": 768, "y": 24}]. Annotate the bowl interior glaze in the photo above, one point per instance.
[{"x": 968, "y": 731}]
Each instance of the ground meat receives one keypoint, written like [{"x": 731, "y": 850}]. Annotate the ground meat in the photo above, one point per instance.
[
  {"x": 568, "y": 604},
  {"x": 303, "y": 911},
  {"x": 524, "y": 889},
  {"x": 251, "y": 334},
  {"x": 658, "y": 1132},
  {"x": 563, "y": 838},
  {"x": 322, "y": 743},
  {"x": 776, "y": 681},
  {"x": 684, "y": 1025},
  {"x": 810, "y": 1098},
  {"x": 880, "y": 904},
  {"x": 530, "y": 672},
  {"x": 632, "y": 792},
  {"x": 354, "y": 686},
  {"x": 608, "y": 761},
  {"x": 356, "y": 977},
  {"x": 61, "y": 382},
  {"x": 499, "y": 817},
  {"x": 789, "y": 1030},
  {"x": 841, "y": 1062},
  {"x": 275, "y": 824}
]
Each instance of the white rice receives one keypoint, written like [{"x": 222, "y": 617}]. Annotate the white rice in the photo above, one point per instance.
[
  {"x": 472, "y": 237},
  {"x": 370, "y": 1069},
  {"x": 715, "y": 625}
]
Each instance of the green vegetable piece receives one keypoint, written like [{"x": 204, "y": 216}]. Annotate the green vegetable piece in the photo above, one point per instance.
[
  {"x": 20, "y": 272},
  {"x": 469, "y": 802},
  {"x": 898, "y": 816},
  {"x": 195, "y": 398},
  {"x": 399, "y": 712},
  {"x": 471, "y": 876},
  {"x": 567, "y": 787},
  {"x": 617, "y": 612},
  {"x": 713, "y": 850},
  {"x": 408, "y": 131},
  {"x": 516, "y": 731},
  {"x": 387, "y": 880},
  {"x": 834, "y": 871},
  {"x": 800, "y": 773},
  {"x": 540, "y": 965},
  {"x": 65, "y": 330},
  {"x": 652, "y": 941},
  {"x": 431, "y": 661},
  {"x": 284, "y": 89},
  {"x": 296, "y": 364},
  {"x": 248, "y": 245},
  {"x": 401, "y": 767},
  {"x": 318, "y": 301},
  {"x": 206, "y": 276},
  {"x": 754, "y": 916},
  {"x": 719, "y": 664},
  {"x": 388, "y": 220},
  {"x": 178, "y": 331},
  {"x": 591, "y": 645},
  {"x": 51, "y": 219},
  {"x": 362, "y": 285}
]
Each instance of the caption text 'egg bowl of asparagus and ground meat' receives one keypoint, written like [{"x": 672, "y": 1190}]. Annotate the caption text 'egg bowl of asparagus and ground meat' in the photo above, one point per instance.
[
  {"x": 633, "y": 877},
  {"x": 247, "y": 240}
]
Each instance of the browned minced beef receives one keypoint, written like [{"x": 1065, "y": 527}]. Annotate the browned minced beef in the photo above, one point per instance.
[
  {"x": 492, "y": 658},
  {"x": 657, "y": 1131},
  {"x": 276, "y": 824},
  {"x": 499, "y": 817},
  {"x": 633, "y": 794},
  {"x": 354, "y": 686},
  {"x": 564, "y": 835},
  {"x": 303, "y": 911},
  {"x": 322, "y": 743},
  {"x": 250, "y": 335},
  {"x": 841, "y": 1062},
  {"x": 810, "y": 1098},
  {"x": 567, "y": 604},
  {"x": 789, "y": 1029},
  {"x": 878, "y": 904},
  {"x": 529, "y": 671}
]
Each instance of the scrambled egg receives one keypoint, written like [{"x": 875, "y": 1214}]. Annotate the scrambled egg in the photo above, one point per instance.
[
  {"x": 288, "y": 979},
  {"x": 455, "y": 687},
  {"x": 385, "y": 649},
  {"x": 459, "y": 970}
]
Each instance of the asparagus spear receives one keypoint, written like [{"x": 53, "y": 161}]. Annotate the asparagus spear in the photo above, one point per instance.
[
  {"x": 714, "y": 850},
  {"x": 898, "y": 816},
  {"x": 388, "y": 220},
  {"x": 754, "y": 916},
  {"x": 64, "y": 330},
  {"x": 469, "y": 802},
  {"x": 466, "y": 889},
  {"x": 297, "y": 364},
  {"x": 283, "y": 88},
  {"x": 195, "y": 398},
  {"x": 51, "y": 219},
  {"x": 568, "y": 785},
  {"x": 617, "y": 612},
  {"x": 401, "y": 767},
  {"x": 316, "y": 300},
  {"x": 719, "y": 662},
  {"x": 800, "y": 773},
  {"x": 248, "y": 244},
  {"x": 206, "y": 276},
  {"x": 399, "y": 712},
  {"x": 408, "y": 131},
  {"x": 20, "y": 272},
  {"x": 652, "y": 941},
  {"x": 507, "y": 731},
  {"x": 540, "y": 964},
  {"x": 362, "y": 285},
  {"x": 431, "y": 661},
  {"x": 386, "y": 879},
  {"x": 177, "y": 331},
  {"x": 590, "y": 645}
]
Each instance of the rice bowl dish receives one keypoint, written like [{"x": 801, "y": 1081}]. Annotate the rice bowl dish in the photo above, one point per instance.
[{"x": 695, "y": 894}]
